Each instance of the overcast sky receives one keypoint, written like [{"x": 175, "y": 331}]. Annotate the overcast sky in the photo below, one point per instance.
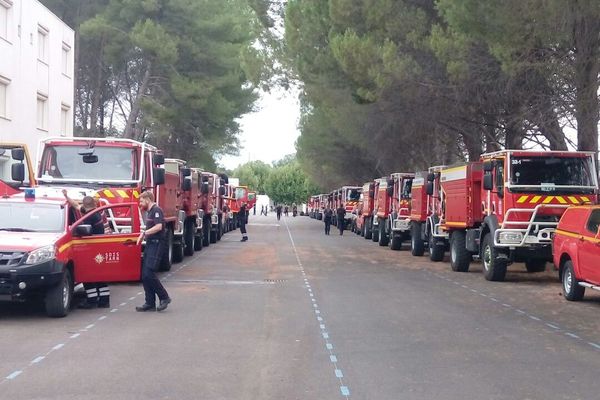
[{"x": 269, "y": 133}]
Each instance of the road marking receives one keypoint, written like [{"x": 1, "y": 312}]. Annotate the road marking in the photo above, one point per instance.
[
  {"x": 37, "y": 359},
  {"x": 552, "y": 326},
  {"x": 14, "y": 374},
  {"x": 329, "y": 346},
  {"x": 102, "y": 317},
  {"x": 322, "y": 326},
  {"x": 338, "y": 373},
  {"x": 90, "y": 326},
  {"x": 345, "y": 391},
  {"x": 574, "y": 336},
  {"x": 58, "y": 346},
  {"x": 333, "y": 358},
  {"x": 74, "y": 336},
  {"x": 533, "y": 317}
]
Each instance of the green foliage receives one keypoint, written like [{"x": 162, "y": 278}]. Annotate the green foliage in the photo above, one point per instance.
[
  {"x": 287, "y": 183},
  {"x": 253, "y": 174}
]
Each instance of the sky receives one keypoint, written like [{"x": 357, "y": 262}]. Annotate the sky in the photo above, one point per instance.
[{"x": 269, "y": 133}]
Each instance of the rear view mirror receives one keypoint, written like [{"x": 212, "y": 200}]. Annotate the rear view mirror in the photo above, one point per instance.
[
  {"x": 430, "y": 177},
  {"x": 488, "y": 182},
  {"x": 158, "y": 175},
  {"x": 390, "y": 191},
  {"x": 205, "y": 179},
  {"x": 186, "y": 172},
  {"x": 158, "y": 159},
  {"x": 429, "y": 188},
  {"x": 204, "y": 188},
  {"x": 17, "y": 154},
  {"x": 90, "y": 159},
  {"x": 488, "y": 166},
  {"x": 222, "y": 191},
  {"x": 187, "y": 184},
  {"x": 18, "y": 172},
  {"x": 83, "y": 230}
]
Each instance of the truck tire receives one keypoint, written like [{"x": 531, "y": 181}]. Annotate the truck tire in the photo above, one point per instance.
[
  {"x": 167, "y": 256},
  {"x": 178, "y": 250},
  {"x": 460, "y": 258},
  {"x": 206, "y": 233},
  {"x": 368, "y": 229},
  {"x": 494, "y": 268},
  {"x": 571, "y": 289},
  {"x": 384, "y": 236},
  {"x": 362, "y": 230},
  {"x": 58, "y": 298},
  {"x": 198, "y": 240},
  {"x": 417, "y": 244},
  {"x": 375, "y": 233},
  {"x": 535, "y": 265},
  {"x": 189, "y": 237},
  {"x": 213, "y": 235},
  {"x": 396, "y": 241},
  {"x": 436, "y": 250}
]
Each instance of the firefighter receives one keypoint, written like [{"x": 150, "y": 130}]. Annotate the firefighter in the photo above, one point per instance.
[
  {"x": 96, "y": 294},
  {"x": 278, "y": 209},
  {"x": 155, "y": 244},
  {"x": 243, "y": 218},
  {"x": 341, "y": 213},
  {"x": 327, "y": 215}
]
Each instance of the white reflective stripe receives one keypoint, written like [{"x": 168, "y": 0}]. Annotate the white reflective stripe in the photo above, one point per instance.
[
  {"x": 105, "y": 294},
  {"x": 104, "y": 289},
  {"x": 91, "y": 290},
  {"x": 89, "y": 295}
]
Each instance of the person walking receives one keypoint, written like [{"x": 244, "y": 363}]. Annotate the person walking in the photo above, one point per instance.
[
  {"x": 254, "y": 209},
  {"x": 327, "y": 216},
  {"x": 243, "y": 220},
  {"x": 262, "y": 210},
  {"x": 155, "y": 243},
  {"x": 278, "y": 209},
  {"x": 286, "y": 210},
  {"x": 340, "y": 214},
  {"x": 97, "y": 294}
]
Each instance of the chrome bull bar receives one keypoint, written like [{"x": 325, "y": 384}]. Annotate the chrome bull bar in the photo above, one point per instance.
[{"x": 508, "y": 236}]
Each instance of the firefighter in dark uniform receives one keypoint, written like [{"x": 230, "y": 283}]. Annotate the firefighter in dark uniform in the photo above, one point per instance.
[
  {"x": 341, "y": 213},
  {"x": 327, "y": 216},
  {"x": 155, "y": 243},
  {"x": 97, "y": 294},
  {"x": 243, "y": 220}
]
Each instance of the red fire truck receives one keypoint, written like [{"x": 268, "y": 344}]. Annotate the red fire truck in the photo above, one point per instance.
[
  {"x": 365, "y": 214},
  {"x": 396, "y": 224},
  {"x": 16, "y": 171},
  {"x": 426, "y": 214},
  {"x": 118, "y": 170},
  {"x": 346, "y": 196},
  {"x": 45, "y": 247},
  {"x": 323, "y": 203},
  {"x": 313, "y": 206},
  {"x": 212, "y": 203},
  {"x": 505, "y": 207}
]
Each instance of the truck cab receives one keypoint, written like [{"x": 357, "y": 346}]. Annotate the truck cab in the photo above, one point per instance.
[{"x": 46, "y": 248}]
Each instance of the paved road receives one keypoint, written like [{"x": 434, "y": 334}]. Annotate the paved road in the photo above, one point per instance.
[{"x": 294, "y": 314}]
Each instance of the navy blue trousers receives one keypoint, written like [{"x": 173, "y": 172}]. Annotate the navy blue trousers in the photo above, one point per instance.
[{"x": 152, "y": 287}]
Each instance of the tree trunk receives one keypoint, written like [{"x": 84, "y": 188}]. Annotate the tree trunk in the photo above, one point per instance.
[{"x": 132, "y": 118}]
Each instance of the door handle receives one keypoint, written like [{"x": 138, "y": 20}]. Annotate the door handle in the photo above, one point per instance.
[{"x": 129, "y": 242}]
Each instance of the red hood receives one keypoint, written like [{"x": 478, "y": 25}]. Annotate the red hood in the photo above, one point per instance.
[{"x": 26, "y": 241}]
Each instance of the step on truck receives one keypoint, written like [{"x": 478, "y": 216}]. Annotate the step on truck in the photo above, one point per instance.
[
  {"x": 426, "y": 213},
  {"x": 505, "y": 207},
  {"x": 117, "y": 170}
]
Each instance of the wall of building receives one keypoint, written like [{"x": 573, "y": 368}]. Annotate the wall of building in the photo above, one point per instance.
[{"x": 36, "y": 74}]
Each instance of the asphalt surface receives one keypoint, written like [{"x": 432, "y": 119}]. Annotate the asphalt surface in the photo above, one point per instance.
[{"x": 295, "y": 314}]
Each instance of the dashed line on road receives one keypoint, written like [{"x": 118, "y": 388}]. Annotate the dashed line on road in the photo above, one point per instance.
[{"x": 344, "y": 390}]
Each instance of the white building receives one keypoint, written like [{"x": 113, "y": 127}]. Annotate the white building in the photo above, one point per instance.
[{"x": 36, "y": 73}]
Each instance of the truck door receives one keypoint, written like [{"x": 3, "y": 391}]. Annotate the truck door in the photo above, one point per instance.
[
  {"x": 589, "y": 249},
  {"x": 113, "y": 256}
]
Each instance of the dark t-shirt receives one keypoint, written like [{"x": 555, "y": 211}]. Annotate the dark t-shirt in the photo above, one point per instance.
[
  {"x": 95, "y": 220},
  {"x": 153, "y": 217},
  {"x": 341, "y": 212},
  {"x": 328, "y": 214},
  {"x": 242, "y": 216}
]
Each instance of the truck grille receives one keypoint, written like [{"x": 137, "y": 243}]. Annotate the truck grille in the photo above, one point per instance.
[{"x": 11, "y": 258}]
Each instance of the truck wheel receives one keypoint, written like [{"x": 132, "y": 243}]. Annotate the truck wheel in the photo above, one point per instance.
[
  {"x": 189, "y": 238},
  {"x": 375, "y": 233},
  {"x": 535, "y": 265},
  {"x": 368, "y": 229},
  {"x": 362, "y": 230},
  {"x": 178, "y": 250},
  {"x": 198, "y": 239},
  {"x": 417, "y": 245},
  {"x": 460, "y": 258},
  {"x": 58, "y": 297},
  {"x": 384, "y": 237},
  {"x": 571, "y": 289},
  {"x": 213, "y": 235},
  {"x": 167, "y": 257},
  {"x": 396, "y": 241},
  {"x": 494, "y": 268},
  {"x": 206, "y": 233},
  {"x": 436, "y": 250}
]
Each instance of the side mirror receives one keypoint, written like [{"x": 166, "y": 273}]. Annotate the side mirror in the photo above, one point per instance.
[
  {"x": 204, "y": 188},
  {"x": 83, "y": 230},
  {"x": 90, "y": 159},
  {"x": 158, "y": 159},
  {"x": 18, "y": 154},
  {"x": 430, "y": 177},
  {"x": 488, "y": 182},
  {"x": 18, "y": 172},
  {"x": 488, "y": 166},
  {"x": 186, "y": 172},
  {"x": 222, "y": 181},
  {"x": 158, "y": 175},
  {"x": 222, "y": 191},
  {"x": 187, "y": 184},
  {"x": 429, "y": 188},
  {"x": 390, "y": 191},
  {"x": 205, "y": 179}
]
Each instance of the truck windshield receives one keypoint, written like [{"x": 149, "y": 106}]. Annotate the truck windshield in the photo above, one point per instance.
[
  {"x": 552, "y": 174},
  {"x": 352, "y": 195},
  {"x": 101, "y": 163},
  {"x": 31, "y": 217}
]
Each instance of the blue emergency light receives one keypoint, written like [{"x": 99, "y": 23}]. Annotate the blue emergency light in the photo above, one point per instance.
[{"x": 30, "y": 193}]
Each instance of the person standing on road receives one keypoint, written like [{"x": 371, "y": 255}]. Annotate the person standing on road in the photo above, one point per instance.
[
  {"x": 97, "y": 294},
  {"x": 327, "y": 215},
  {"x": 155, "y": 243},
  {"x": 341, "y": 213},
  {"x": 278, "y": 209},
  {"x": 243, "y": 219}
]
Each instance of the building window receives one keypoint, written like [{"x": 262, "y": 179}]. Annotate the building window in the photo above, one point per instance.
[
  {"x": 4, "y": 97},
  {"x": 5, "y": 6},
  {"x": 66, "y": 52},
  {"x": 42, "y": 112},
  {"x": 64, "y": 120},
  {"x": 43, "y": 43}
]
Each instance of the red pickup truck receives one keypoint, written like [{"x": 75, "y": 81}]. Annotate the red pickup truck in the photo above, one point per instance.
[{"x": 576, "y": 250}]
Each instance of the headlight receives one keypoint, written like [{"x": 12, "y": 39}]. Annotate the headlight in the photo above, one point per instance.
[
  {"x": 510, "y": 237},
  {"x": 40, "y": 255}
]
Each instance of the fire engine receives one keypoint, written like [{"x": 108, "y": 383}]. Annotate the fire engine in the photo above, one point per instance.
[
  {"x": 323, "y": 204},
  {"x": 347, "y": 196},
  {"x": 16, "y": 171},
  {"x": 365, "y": 213},
  {"x": 505, "y": 207},
  {"x": 45, "y": 247},
  {"x": 118, "y": 170},
  {"x": 212, "y": 204},
  {"x": 426, "y": 214},
  {"x": 394, "y": 210},
  {"x": 313, "y": 206}
]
